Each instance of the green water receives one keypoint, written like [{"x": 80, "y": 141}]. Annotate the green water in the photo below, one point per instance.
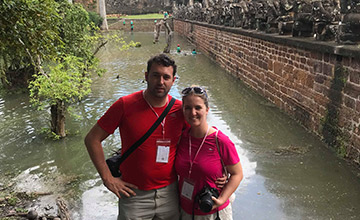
[{"x": 307, "y": 183}]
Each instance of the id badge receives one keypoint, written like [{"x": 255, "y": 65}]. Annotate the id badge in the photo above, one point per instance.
[
  {"x": 163, "y": 150},
  {"x": 187, "y": 189}
]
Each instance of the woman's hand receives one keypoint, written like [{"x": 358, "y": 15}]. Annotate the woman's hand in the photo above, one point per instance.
[
  {"x": 221, "y": 181},
  {"x": 229, "y": 186},
  {"x": 218, "y": 202}
]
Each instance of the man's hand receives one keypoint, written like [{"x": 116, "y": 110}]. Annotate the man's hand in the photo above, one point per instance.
[
  {"x": 117, "y": 186},
  {"x": 93, "y": 144}
]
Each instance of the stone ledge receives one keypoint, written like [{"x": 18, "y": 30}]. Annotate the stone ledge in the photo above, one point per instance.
[{"x": 307, "y": 43}]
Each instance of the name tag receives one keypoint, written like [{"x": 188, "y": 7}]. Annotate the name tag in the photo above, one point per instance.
[
  {"x": 187, "y": 189},
  {"x": 163, "y": 150}
]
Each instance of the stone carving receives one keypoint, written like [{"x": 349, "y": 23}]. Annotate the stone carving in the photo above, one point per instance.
[
  {"x": 303, "y": 22},
  {"x": 272, "y": 14},
  {"x": 260, "y": 15},
  {"x": 349, "y": 29},
  {"x": 326, "y": 16},
  {"x": 286, "y": 18},
  {"x": 248, "y": 17},
  {"x": 322, "y": 19},
  {"x": 137, "y": 6}
]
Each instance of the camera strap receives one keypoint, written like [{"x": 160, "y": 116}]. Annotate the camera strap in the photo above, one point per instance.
[
  {"x": 148, "y": 133},
  {"x": 222, "y": 162},
  {"x": 217, "y": 215}
]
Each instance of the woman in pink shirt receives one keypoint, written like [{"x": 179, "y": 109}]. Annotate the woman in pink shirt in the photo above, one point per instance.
[{"x": 198, "y": 163}]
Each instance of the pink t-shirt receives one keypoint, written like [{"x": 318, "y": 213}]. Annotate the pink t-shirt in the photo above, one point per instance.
[{"x": 206, "y": 166}]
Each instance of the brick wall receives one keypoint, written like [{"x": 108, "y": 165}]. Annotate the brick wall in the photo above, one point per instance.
[{"x": 317, "y": 83}]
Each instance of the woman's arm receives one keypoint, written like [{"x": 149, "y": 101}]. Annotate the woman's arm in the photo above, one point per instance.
[{"x": 236, "y": 175}]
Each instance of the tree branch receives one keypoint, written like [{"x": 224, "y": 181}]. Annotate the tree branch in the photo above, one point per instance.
[{"x": 100, "y": 46}]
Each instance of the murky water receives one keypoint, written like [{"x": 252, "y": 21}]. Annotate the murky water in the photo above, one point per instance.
[{"x": 289, "y": 174}]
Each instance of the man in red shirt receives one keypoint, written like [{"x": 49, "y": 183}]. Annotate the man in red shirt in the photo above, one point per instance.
[{"x": 147, "y": 188}]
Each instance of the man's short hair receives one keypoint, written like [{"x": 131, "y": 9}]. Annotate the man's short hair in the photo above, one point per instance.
[{"x": 161, "y": 59}]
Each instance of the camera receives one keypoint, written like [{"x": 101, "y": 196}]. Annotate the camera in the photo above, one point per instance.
[{"x": 204, "y": 198}]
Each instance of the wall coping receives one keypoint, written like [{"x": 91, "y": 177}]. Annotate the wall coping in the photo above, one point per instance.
[{"x": 307, "y": 43}]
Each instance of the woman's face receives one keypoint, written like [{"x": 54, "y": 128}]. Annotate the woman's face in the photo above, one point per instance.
[{"x": 195, "y": 110}]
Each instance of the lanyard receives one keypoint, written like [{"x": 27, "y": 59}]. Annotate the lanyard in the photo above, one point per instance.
[
  {"x": 163, "y": 121},
  {"x": 192, "y": 161}
]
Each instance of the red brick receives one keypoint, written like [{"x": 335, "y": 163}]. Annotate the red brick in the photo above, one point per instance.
[
  {"x": 349, "y": 102},
  {"x": 346, "y": 61},
  {"x": 278, "y": 68},
  {"x": 309, "y": 81},
  {"x": 326, "y": 57},
  {"x": 317, "y": 67},
  {"x": 303, "y": 60},
  {"x": 328, "y": 69},
  {"x": 310, "y": 62},
  {"x": 355, "y": 76},
  {"x": 352, "y": 90},
  {"x": 316, "y": 55},
  {"x": 355, "y": 63}
]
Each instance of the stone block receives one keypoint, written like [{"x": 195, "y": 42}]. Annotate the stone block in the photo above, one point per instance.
[
  {"x": 328, "y": 69},
  {"x": 355, "y": 63},
  {"x": 349, "y": 102},
  {"x": 352, "y": 90},
  {"x": 326, "y": 57},
  {"x": 318, "y": 67},
  {"x": 303, "y": 60},
  {"x": 316, "y": 55},
  {"x": 309, "y": 81},
  {"x": 354, "y": 76},
  {"x": 319, "y": 78}
]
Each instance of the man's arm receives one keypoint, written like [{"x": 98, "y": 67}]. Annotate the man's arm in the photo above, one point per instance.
[{"x": 93, "y": 144}]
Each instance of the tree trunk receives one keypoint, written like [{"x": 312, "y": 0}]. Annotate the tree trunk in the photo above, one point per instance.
[
  {"x": 168, "y": 37},
  {"x": 157, "y": 31},
  {"x": 58, "y": 118},
  {"x": 18, "y": 78},
  {"x": 102, "y": 10}
]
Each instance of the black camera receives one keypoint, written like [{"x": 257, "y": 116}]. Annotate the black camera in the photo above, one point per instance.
[{"x": 204, "y": 198}]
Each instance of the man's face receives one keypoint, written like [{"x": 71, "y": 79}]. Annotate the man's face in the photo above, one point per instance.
[{"x": 159, "y": 80}]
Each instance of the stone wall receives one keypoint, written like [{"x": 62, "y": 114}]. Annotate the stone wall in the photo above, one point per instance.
[
  {"x": 140, "y": 25},
  {"x": 132, "y": 7},
  {"x": 317, "y": 83}
]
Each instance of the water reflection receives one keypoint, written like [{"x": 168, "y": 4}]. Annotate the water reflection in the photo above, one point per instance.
[{"x": 310, "y": 183}]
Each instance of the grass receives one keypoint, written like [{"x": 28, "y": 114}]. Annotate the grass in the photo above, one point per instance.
[{"x": 143, "y": 16}]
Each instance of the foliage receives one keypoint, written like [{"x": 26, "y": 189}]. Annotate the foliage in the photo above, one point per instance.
[
  {"x": 66, "y": 80},
  {"x": 50, "y": 134},
  {"x": 54, "y": 41},
  {"x": 12, "y": 200},
  {"x": 28, "y": 30},
  {"x": 21, "y": 210},
  {"x": 333, "y": 134},
  {"x": 95, "y": 18}
]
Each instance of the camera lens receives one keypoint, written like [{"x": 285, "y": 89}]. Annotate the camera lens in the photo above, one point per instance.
[
  {"x": 204, "y": 199},
  {"x": 206, "y": 203}
]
